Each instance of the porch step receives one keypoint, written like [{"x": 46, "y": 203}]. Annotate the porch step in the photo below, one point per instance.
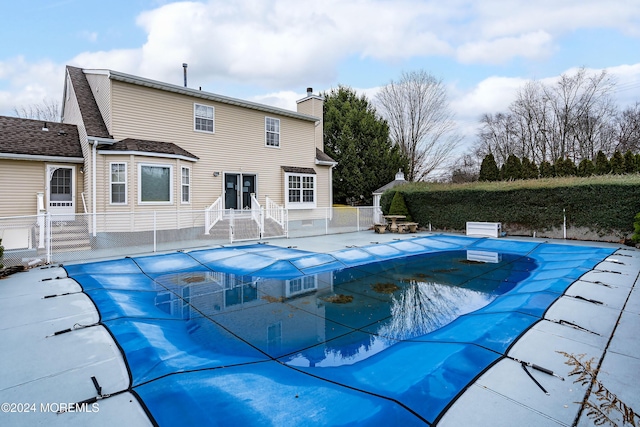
[
  {"x": 68, "y": 236},
  {"x": 272, "y": 228},
  {"x": 245, "y": 229}
]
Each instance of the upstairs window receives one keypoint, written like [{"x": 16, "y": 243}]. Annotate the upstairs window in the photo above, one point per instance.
[
  {"x": 118, "y": 183},
  {"x": 272, "y": 132},
  {"x": 203, "y": 116}
]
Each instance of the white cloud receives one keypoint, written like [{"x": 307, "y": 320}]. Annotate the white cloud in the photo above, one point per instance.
[
  {"x": 29, "y": 83},
  {"x": 283, "y": 42},
  {"x": 90, "y": 36},
  {"x": 282, "y": 45},
  {"x": 536, "y": 45},
  {"x": 499, "y": 18},
  {"x": 283, "y": 99}
]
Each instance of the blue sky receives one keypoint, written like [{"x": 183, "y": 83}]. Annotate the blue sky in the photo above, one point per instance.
[{"x": 271, "y": 51}]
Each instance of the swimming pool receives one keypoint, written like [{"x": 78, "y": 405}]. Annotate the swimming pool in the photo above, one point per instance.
[{"x": 262, "y": 335}]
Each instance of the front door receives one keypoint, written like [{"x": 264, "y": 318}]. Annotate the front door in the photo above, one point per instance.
[
  {"x": 248, "y": 188},
  {"x": 238, "y": 188},
  {"x": 61, "y": 192}
]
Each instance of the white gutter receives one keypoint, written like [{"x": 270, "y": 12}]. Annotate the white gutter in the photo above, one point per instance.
[
  {"x": 94, "y": 197},
  {"x": 94, "y": 141},
  {"x": 146, "y": 154},
  {"x": 32, "y": 157}
]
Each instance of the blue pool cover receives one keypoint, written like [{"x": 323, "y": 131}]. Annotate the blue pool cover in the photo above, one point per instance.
[{"x": 258, "y": 334}]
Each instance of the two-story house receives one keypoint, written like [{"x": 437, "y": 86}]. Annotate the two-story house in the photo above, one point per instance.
[
  {"x": 134, "y": 145},
  {"x": 152, "y": 146}
]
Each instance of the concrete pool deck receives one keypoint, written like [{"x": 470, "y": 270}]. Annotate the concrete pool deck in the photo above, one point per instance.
[{"x": 45, "y": 371}]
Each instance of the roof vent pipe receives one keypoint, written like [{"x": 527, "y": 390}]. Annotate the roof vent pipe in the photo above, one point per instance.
[
  {"x": 184, "y": 65},
  {"x": 45, "y": 127},
  {"x": 309, "y": 91}
]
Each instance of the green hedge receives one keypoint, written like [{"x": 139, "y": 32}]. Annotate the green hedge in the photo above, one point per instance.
[{"x": 602, "y": 204}]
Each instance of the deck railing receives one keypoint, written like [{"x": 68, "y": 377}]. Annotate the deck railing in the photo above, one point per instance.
[
  {"x": 274, "y": 211},
  {"x": 212, "y": 215},
  {"x": 49, "y": 238}
]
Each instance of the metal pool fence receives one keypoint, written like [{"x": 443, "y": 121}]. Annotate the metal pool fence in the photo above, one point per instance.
[{"x": 49, "y": 238}]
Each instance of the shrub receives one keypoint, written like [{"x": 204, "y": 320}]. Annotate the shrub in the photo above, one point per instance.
[
  {"x": 529, "y": 169},
  {"x": 603, "y": 166},
  {"x": 489, "y": 169},
  {"x": 565, "y": 167},
  {"x": 512, "y": 168},
  {"x": 630, "y": 165},
  {"x": 604, "y": 204},
  {"x": 586, "y": 168},
  {"x": 547, "y": 170},
  {"x": 399, "y": 207},
  {"x": 1, "y": 253},
  {"x": 636, "y": 229},
  {"x": 617, "y": 163}
]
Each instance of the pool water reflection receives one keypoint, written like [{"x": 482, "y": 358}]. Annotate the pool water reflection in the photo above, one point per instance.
[{"x": 340, "y": 317}]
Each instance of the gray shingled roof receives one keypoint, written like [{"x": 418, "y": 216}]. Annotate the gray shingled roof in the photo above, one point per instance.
[
  {"x": 323, "y": 157},
  {"x": 91, "y": 117},
  {"x": 26, "y": 137},
  {"x": 130, "y": 144},
  {"x": 295, "y": 169}
]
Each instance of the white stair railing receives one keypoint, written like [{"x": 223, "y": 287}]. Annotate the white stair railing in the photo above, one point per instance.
[
  {"x": 257, "y": 213},
  {"x": 275, "y": 211},
  {"x": 212, "y": 215}
]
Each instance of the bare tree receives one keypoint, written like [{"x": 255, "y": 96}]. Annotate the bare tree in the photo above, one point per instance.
[
  {"x": 581, "y": 104},
  {"x": 420, "y": 121},
  {"x": 496, "y": 136},
  {"x": 572, "y": 118},
  {"x": 48, "y": 110},
  {"x": 465, "y": 169},
  {"x": 627, "y": 125}
]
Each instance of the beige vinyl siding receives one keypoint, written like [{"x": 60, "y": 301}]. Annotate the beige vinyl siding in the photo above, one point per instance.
[
  {"x": 238, "y": 144},
  {"x": 314, "y": 107},
  {"x": 101, "y": 89},
  {"x": 31, "y": 178},
  {"x": 122, "y": 217}
]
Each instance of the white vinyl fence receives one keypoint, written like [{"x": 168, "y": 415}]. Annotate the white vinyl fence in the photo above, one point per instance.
[{"x": 49, "y": 238}]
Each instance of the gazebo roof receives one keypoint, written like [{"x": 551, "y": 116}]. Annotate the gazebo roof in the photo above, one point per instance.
[{"x": 398, "y": 181}]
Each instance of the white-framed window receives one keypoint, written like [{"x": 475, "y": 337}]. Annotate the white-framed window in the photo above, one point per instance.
[
  {"x": 300, "y": 191},
  {"x": 301, "y": 285},
  {"x": 272, "y": 132},
  {"x": 185, "y": 187},
  {"x": 203, "y": 118},
  {"x": 118, "y": 183},
  {"x": 155, "y": 184}
]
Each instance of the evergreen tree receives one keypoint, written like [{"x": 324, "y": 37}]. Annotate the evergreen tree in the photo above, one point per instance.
[
  {"x": 529, "y": 169},
  {"x": 602, "y": 164},
  {"x": 630, "y": 165},
  {"x": 512, "y": 168},
  {"x": 358, "y": 140},
  {"x": 489, "y": 169},
  {"x": 638, "y": 162},
  {"x": 399, "y": 207},
  {"x": 617, "y": 163},
  {"x": 586, "y": 168},
  {"x": 565, "y": 167},
  {"x": 547, "y": 170}
]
